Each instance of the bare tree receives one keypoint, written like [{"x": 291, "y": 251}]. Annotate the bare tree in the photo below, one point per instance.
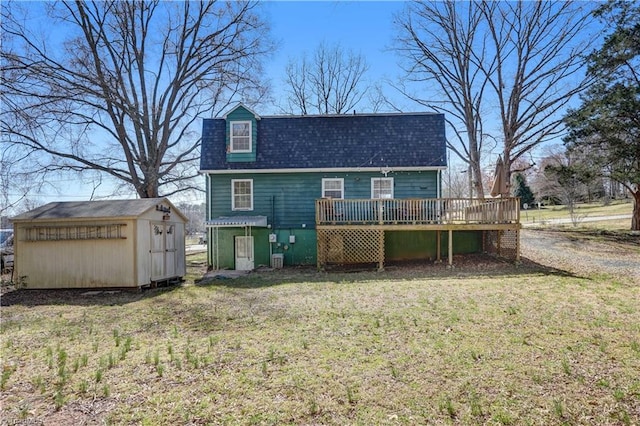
[
  {"x": 331, "y": 82},
  {"x": 521, "y": 59},
  {"x": 15, "y": 185},
  {"x": 539, "y": 68},
  {"x": 444, "y": 47},
  {"x": 564, "y": 177},
  {"x": 122, "y": 91},
  {"x": 457, "y": 183},
  {"x": 563, "y": 180}
]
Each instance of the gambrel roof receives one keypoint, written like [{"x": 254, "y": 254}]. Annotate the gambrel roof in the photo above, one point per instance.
[{"x": 358, "y": 141}]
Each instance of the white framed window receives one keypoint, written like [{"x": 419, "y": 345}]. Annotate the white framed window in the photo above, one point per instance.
[
  {"x": 333, "y": 188},
  {"x": 381, "y": 187},
  {"x": 242, "y": 194},
  {"x": 240, "y": 136}
]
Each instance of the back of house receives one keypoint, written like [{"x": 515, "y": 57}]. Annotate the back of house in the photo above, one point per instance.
[{"x": 264, "y": 176}]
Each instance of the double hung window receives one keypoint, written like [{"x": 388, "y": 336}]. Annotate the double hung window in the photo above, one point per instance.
[
  {"x": 381, "y": 188},
  {"x": 333, "y": 188},
  {"x": 240, "y": 136},
  {"x": 242, "y": 194}
]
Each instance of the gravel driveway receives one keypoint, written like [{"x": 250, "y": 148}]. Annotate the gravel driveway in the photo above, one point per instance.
[{"x": 580, "y": 256}]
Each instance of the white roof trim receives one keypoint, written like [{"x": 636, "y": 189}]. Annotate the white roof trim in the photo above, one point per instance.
[
  {"x": 236, "y": 221},
  {"x": 327, "y": 170}
]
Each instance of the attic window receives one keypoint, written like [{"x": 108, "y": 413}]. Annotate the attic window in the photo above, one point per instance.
[{"x": 240, "y": 136}]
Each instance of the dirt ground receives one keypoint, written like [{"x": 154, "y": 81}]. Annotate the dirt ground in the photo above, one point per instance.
[{"x": 583, "y": 253}]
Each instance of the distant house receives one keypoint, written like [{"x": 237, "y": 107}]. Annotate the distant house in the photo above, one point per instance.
[
  {"x": 99, "y": 244},
  {"x": 361, "y": 188}
]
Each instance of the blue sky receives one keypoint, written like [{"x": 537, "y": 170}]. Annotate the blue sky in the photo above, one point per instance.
[
  {"x": 298, "y": 27},
  {"x": 365, "y": 27}
]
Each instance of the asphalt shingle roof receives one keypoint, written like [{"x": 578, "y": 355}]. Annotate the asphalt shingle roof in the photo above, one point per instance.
[
  {"x": 90, "y": 209},
  {"x": 344, "y": 141}
]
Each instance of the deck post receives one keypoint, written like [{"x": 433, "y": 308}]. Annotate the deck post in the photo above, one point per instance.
[
  {"x": 438, "y": 244},
  {"x": 450, "y": 247},
  {"x": 381, "y": 251}
]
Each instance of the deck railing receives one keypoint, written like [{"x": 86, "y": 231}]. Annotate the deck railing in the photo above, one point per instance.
[{"x": 417, "y": 211}]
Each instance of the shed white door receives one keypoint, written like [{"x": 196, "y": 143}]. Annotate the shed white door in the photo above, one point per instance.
[
  {"x": 163, "y": 251},
  {"x": 244, "y": 253},
  {"x": 170, "y": 251}
]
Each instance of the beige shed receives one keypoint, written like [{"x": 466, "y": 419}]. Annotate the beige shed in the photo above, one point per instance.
[{"x": 100, "y": 244}]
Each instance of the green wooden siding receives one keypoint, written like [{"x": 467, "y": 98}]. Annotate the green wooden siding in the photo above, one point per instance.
[
  {"x": 288, "y": 202},
  {"x": 399, "y": 245},
  {"x": 301, "y": 252},
  {"x": 411, "y": 245},
  {"x": 288, "y": 199},
  {"x": 242, "y": 114}
]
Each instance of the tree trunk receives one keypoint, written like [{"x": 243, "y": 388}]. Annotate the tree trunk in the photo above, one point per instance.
[
  {"x": 635, "y": 217},
  {"x": 477, "y": 182},
  {"x": 506, "y": 161}
]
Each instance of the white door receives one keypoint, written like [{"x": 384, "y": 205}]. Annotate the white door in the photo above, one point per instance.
[
  {"x": 157, "y": 251},
  {"x": 170, "y": 251},
  {"x": 163, "y": 251},
  {"x": 244, "y": 253}
]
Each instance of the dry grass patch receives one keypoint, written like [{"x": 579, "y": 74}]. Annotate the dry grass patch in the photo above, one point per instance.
[
  {"x": 512, "y": 346},
  {"x": 616, "y": 207}
]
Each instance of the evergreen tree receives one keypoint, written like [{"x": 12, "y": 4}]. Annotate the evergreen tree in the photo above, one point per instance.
[
  {"x": 523, "y": 191},
  {"x": 607, "y": 124}
]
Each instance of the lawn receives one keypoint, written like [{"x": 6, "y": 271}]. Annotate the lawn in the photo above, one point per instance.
[
  {"x": 586, "y": 210},
  {"x": 489, "y": 344}
]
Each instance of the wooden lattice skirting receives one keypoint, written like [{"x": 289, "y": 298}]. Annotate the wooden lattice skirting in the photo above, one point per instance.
[
  {"x": 358, "y": 246},
  {"x": 504, "y": 243},
  {"x": 350, "y": 246}
]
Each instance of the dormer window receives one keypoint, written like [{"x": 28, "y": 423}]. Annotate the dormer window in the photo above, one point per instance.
[{"x": 240, "y": 136}]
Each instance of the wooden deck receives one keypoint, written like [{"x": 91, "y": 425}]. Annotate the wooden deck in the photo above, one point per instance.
[{"x": 364, "y": 221}]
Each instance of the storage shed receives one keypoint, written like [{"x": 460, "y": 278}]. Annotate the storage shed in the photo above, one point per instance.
[{"x": 100, "y": 244}]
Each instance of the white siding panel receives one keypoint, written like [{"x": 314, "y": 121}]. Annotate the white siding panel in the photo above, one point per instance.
[{"x": 77, "y": 263}]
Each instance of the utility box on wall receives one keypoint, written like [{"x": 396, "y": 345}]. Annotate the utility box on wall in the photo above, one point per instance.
[{"x": 277, "y": 260}]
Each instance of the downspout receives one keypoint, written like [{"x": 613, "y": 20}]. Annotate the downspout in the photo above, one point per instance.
[
  {"x": 273, "y": 228},
  {"x": 273, "y": 212},
  {"x": 217, "y": 231},
  {"x": 210, "y": 231}
]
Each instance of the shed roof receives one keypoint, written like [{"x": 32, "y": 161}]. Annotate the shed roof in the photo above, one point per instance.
[
  {"x": 94, "y": 209},
  {"x": 415, "y": 140}
]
